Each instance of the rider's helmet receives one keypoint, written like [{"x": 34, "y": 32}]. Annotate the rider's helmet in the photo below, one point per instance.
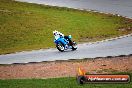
[
  {"x": 70, "y": 36},
  {"x": 55, "y": 33}
]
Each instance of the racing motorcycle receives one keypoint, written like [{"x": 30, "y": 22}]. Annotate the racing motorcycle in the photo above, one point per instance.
[{"x": 64, "y": 43}]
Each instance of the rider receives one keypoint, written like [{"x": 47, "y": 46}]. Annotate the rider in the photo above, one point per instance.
[
  {"x": 56, "y": 34},
  {"x": 60, "y": 35}
]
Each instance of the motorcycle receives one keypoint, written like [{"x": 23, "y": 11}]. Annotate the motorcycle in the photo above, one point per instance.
[{"x": 64, "y": 43}]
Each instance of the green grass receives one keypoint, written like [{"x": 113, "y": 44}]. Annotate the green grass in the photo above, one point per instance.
[
  {"x": 67, "y": 82},
  {"x": 55, "y": 83},
  {"x": 25, "y": 26},
  {"x": 64, "y": 82}
]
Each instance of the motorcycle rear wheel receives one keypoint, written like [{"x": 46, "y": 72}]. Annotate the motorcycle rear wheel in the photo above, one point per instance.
[{"x": 74, "y": 46}]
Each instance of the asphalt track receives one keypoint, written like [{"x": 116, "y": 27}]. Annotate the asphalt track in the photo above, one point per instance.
[{"x": 110, "y": 47}]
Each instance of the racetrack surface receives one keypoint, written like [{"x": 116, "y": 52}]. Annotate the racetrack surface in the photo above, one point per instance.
[{"x": 114, "y": 47}]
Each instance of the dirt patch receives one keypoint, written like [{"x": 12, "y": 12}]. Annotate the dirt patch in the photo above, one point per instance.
[{"x": 66, "y": 68}]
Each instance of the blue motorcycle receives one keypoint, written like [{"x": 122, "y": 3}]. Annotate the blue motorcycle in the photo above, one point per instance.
[{"x": 64, "y": 43}]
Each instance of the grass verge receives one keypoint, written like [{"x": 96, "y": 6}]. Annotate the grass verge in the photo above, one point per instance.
[
  {"x": 26, "y": 26},
  {"x": 68, "y": 82}
]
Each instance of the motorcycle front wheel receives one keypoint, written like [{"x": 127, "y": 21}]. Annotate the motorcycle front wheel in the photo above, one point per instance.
[{"x": 60, "y": 47}]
